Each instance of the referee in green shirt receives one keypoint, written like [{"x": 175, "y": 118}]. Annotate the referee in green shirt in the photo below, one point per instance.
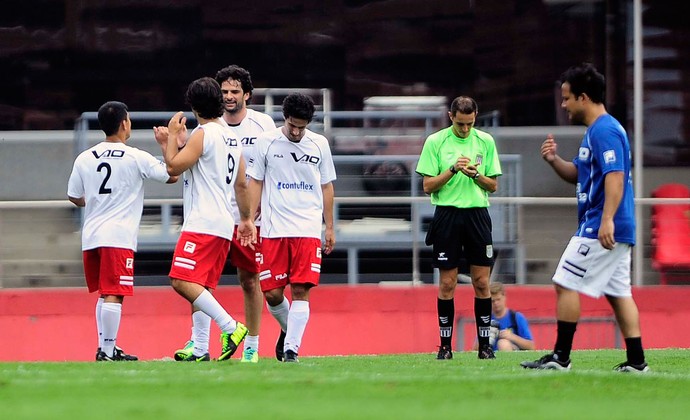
[{"x": 460, "y": 166}]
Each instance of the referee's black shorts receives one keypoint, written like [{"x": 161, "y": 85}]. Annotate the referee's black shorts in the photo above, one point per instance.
[{"x": 457, "y": 233}]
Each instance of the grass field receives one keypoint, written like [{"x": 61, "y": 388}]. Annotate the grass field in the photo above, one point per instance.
[{"x": 410, "y": 386}]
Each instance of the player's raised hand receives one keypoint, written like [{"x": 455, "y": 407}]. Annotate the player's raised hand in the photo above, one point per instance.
[
  {"x": 161, "y": 134},
  {"x": 548, "y": 148},
  {"x": 177, "y": 124}
]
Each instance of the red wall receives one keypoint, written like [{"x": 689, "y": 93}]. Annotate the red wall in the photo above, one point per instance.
[{"x": 58, "y": 324}]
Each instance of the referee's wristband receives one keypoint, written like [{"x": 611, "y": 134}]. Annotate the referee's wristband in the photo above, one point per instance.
[
  {"x": 453, "y": 170},
  {"x": 476, "y": 176}
]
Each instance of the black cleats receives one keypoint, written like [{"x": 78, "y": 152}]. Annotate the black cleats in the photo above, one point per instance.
[
  {"x": 290, "y": 357},
  {"x": 486, "y": 352},
  {"x": 279, "y": 346},
  {"x": 444, "y": 353}
]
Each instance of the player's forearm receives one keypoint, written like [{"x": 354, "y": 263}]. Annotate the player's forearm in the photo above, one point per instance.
[
  {"x": 431, "y": 184},
  {"x": 169, "y": 153},
  {"x": 254, "y": 189},
  {"x": 243, "y": 200},
  {"x": 613, "y": 194},
  {"x": 328, "y": 204},
  {"x": 566, "y": 170}
]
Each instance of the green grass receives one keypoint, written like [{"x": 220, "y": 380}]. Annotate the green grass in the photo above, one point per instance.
[{"x": 410, "y": 386}]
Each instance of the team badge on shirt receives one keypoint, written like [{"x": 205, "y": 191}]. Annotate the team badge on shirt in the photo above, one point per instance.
[
  {"x": 609, "y": 156},
  {"x": 584, "y": 153},
  {"x": 478, "y": 159}
]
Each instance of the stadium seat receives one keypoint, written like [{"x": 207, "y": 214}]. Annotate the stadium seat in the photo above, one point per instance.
[{"x": 670, "y": 235}]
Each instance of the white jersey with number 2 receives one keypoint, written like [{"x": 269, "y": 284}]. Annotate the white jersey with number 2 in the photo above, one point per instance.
[
  {"x": 292, "y": 175},
  {"x": 110, "y": 176}
]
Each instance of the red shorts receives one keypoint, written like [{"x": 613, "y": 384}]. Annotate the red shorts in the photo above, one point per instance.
[
  {"x": 289, "y": 260},
  {"x": 199, "y": 258},
  {"x": 243, "y": 257},
  {"x": 110, "y": 271}
]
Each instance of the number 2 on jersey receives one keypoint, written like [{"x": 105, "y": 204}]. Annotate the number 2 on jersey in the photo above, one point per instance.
[{"x": 108, "y": 170}]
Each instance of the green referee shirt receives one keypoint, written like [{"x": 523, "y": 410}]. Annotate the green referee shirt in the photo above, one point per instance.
[{"x": 442, "y": 149}]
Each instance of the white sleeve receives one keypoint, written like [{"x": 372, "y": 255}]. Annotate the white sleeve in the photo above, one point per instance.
[
  {"x": 75, "y": 185},
  {"x": 327, "y": 167},
  {"x": 152, "y": 168},
  {"x": 256, "y": 161}
]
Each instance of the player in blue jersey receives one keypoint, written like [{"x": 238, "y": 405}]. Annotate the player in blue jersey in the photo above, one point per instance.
[{"x": 597, "y": 259}]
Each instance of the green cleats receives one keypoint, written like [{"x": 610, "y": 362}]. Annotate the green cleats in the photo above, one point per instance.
[
  {"x": 250, "y": 356},
  {"x": 203, "y": 358},
  {"x": 231, "y": 341},
  {"x": 185, "y": 353}
]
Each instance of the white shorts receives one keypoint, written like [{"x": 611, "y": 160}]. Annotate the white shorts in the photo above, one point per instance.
[{"x": 593, "y": 270}]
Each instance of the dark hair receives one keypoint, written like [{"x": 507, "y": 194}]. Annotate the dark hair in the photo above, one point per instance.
[
  {"x": 464, "y": 105},
  {"x": 586, "y": 79},
  {"x": 236, "y": 73},
  {"x": 298, "y": 105},
  {"x": 110, "y": 115},
  {"x": 205, "y": 97}
]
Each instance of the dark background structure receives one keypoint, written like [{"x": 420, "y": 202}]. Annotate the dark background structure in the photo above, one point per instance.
[{"x": 61, "y": 58}]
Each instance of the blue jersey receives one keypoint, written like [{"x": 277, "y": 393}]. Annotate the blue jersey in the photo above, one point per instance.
[
  {"x": 605, "y": 148},
  {"x": 516, "y": 322}
]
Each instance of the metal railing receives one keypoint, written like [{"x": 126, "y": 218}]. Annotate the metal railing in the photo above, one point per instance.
[
  {"x": 383, "y": 233},
  {"x": 30, "y": 237}
]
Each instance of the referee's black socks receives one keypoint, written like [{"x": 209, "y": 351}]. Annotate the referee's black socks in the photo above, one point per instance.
[
  {"x": 482, "y": 316},
  {"x": 446, "y": 318}
]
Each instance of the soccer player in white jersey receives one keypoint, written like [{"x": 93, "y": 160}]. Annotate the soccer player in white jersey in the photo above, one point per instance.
[
  {"x": 292, "y": 172},
  {"x": 108, "y": 180},
  {"x": 213, "y": 159},
  {"x": 597, "y": 259},
  {"x": 246, "y": 124}
]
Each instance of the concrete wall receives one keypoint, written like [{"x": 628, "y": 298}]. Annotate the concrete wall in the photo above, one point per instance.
[{"x": 35, "y": 165}]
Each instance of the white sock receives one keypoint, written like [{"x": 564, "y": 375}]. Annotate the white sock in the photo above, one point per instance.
[
  {"x": 210, "y": 306},
  {"x": 99, "y": 305},
  {"x": 110, "y": 323},
  {"x": 280, "y": 313},
  {"x": 201, "y": 326},
  {"x": 297, "y": 322},
  {"x": 251, "y": 342}
]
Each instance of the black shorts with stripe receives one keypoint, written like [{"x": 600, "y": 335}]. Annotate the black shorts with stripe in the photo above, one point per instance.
[{"x": 458, "y": 234}]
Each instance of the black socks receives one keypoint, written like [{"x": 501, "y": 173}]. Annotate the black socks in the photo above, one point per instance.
[
  {"x": 446, "y": 319},
  {"x": 564, "y": 340},
  {"x": 482, "y": 316}
]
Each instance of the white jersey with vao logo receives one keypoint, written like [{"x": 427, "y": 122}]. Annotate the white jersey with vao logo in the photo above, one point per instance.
[
  {"x": 209, "y": 183},
  {"x": 292, "y": 175},
  {"x": 110, "y": 176},
  {"x": 246, "y": 132}
]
